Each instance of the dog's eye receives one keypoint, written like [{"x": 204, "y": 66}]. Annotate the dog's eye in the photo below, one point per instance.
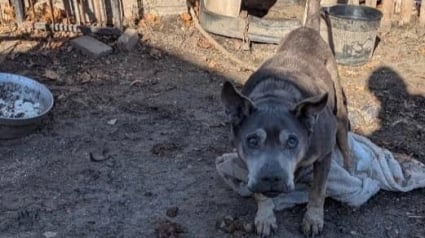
[
  {"x": 253, "y": 141},
  {"x": 292, "y": 142}
]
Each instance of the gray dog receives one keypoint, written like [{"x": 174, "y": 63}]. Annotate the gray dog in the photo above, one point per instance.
[{"x": 291, "y": 113}]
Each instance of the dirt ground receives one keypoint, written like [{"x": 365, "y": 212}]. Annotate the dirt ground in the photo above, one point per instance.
[{"x": 129, "y": 148}]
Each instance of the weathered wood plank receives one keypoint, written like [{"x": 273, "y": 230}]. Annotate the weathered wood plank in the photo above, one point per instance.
[
  {"x": 19, "y": 11},
  {"x": 422, "y": 14},
  {"x": 388, "y": 13},
  {"x": 406, "y": 11}
]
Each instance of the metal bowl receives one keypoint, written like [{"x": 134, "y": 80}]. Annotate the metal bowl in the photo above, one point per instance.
[{"x": 23, "y": 104}]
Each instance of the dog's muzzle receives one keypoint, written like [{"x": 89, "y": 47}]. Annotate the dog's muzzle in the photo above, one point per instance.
[{"x": 271, "y": 185}]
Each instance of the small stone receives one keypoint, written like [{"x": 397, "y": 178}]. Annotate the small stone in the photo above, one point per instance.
[
  {"x": 128, "y": 40},
  {"x": 248, "y": 227},
  {"x": 85, "y": 77},
  {"x": 228, "y": 218},
  {"x": 371, "y": 112},
  {"x": 221, "y": 225},
  {"x": 420, "y": 32},
  {"x": 98, "y": 157},
  {"x": 50, "y": 74},
  {"x": 61, "y": 97},
  {"x": 155, "y": 53},
  {"x": 168, "y": 229},
  {"x": 112, "y": 122},
  {"x": 227, "y": 224},
  {"x": 172, "y": 211},
  {"x": 238, "y": 224},
  {"x": 230, "y": 228},
  {"x": 49, "y": 234}
]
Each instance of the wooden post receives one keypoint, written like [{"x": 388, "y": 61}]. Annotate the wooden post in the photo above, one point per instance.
[
  {"x": 406, "y": 11},
  {"x": 52, "y": 11},
  {"x": 98, "y": 9},
  {"x": 422, "y": 14},
  {"x": 67, "y": 8},
  {"x": 354, "y": 2},
  {"x": 371, "y": 3},
  {"x": 387, "y": 14},
  {"x": 76, "y": 12},
  {"x": 81, "y": 11},
  {"x": 19, "y": 11},
  {"x": 397, "y": 6},
  {"x": 116, "y": 13}
]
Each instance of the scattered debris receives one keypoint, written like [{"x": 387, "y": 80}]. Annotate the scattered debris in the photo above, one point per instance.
[
  {"x": 50, "y": 74},
  {"x": 186, "y": 18},
  {"x": 172, "y": 211},
  {"x": 85, "y": 77},
  {"x": 164, "y": 7},
  {"x": 43, "y": 12},
  {"x": 155, "y": 53},
  {"x": 61, "y": 97},
  {"x": 168, "y": 229},
  {"x": 212, "y": 64},
  {"x": 203, "y": 43},
  {"x": 49, "y": 234},
  {"x": 6, "y": 48},
  {"x": 229, "y": 224},
  {"x": 135, "y": 82},
  {"x": 99, "y": 157},
  {"x": 162, "y": 149},
  {"x": 112, "y": 122},
  {"x": 149, "y": 20},
  {"x": 249, "y": 227}
]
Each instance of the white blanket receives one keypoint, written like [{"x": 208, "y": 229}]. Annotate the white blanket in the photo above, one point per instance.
[{"x": 376, "y": 168}]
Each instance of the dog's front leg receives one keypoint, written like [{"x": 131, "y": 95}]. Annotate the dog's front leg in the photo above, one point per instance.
[
  {"x": 265, "y": 220},
  {"x": 313, "y": 218}
]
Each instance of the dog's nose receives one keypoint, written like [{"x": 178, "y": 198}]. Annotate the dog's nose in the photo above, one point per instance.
[{"x": 271, "y": 179}]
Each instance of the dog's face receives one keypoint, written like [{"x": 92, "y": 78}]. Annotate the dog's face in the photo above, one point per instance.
[{"x": 272, "y": 140}]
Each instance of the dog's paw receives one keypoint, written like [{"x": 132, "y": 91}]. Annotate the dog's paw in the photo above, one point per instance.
[
  {"x": 313, "y": 221},
  {"x": 265, "y": 222}
]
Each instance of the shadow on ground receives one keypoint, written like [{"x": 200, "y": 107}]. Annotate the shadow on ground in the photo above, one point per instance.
[{"x": 402, "y": 114}]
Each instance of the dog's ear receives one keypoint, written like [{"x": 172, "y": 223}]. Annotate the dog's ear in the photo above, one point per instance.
[
  {"x": 237, "y": 106},
  {"x": 308, "y": 109}
]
